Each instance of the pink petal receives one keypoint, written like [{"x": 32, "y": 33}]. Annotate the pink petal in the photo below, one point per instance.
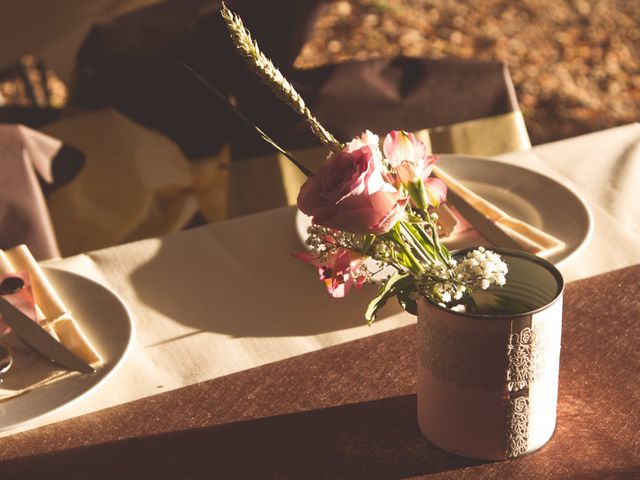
[
  {"x": 436, "y": 190},
  {"x": 387, "y": 222},
  {"x": 400, "y": 146}
]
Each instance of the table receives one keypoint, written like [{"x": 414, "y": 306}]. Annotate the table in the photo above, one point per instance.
[
  {"x": 226, "y": 392},
  {"x": 349, "y": 412}
]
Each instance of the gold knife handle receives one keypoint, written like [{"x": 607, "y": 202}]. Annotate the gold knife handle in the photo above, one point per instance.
[{"x": 534, "y": 234}]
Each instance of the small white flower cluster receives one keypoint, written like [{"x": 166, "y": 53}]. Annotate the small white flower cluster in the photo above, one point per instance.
[
  {"x": 482, "y": 268},
  {"x": 361, "y": 273},
  {"x": 446, "y": 284},
  {"x": 460, "y": 308},
  {"x": 382, "y": 251},
  {"x": 439, "y": 281},
  {"x": 323, "y": 241},
  {"x": 447, "y": 291},
  {"x": 317, "y": 244}
]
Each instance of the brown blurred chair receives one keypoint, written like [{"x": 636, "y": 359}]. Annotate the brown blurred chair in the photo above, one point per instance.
[{"x": 131, "y": 63}]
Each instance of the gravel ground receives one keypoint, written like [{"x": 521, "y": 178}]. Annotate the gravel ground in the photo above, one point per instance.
[{"x": 575, "y": 63}]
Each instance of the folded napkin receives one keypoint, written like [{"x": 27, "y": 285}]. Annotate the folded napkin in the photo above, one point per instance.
[
  {"x": 40, "y": 301},
  {"x": 457, "y": 233},
  {"x": 381, "y": 95},
  {"x": 136, "y": 184},
  {"x": 25, "y": 157}
]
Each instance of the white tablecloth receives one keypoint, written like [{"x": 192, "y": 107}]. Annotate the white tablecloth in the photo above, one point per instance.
[{"x": 227, "y": 297}]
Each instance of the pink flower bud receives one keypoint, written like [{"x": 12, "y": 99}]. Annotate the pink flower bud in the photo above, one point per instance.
[{"x": 407, "y": 172}]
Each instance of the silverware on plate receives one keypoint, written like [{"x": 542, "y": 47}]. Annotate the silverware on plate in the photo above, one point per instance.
[
  {"x": 496, "y": 225},
  {"x": 37, "y": 338}
]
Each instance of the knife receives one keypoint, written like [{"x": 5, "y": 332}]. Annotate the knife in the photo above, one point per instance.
[
  {"x": 484, "y": 225},
  {"x": 38, "y": 338}
]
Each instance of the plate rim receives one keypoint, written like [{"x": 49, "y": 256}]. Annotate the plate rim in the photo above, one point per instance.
[{"x": 114, "y": 368}]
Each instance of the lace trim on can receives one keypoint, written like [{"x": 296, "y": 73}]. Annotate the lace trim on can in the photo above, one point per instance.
[
  {"x": 529, "y": 356},
  {"x": 517, "y": 426},
  {"x": 530, "y": 352}
]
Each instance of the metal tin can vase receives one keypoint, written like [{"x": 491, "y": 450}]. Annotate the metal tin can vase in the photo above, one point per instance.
[{"x": 488, "y": 381}]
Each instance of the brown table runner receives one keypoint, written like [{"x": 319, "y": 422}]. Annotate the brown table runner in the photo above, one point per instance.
[{"x": 349, "y": 412}]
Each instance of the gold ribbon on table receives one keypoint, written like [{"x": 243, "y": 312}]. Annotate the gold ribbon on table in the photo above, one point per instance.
[{"x": 483, "y": 137}]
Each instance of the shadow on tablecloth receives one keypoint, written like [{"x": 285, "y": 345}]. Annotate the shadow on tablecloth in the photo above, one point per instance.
[
  {"x": 245, "y": 283},
  {"x": 375, "y": 439}
]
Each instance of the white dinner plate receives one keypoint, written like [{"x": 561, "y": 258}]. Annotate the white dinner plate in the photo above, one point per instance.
[
  {"x": 524, "y": 194},
  {"x": 106, "y": 321}
]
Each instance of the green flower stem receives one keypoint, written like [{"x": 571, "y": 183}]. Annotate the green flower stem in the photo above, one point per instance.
[
  {"x": 425, "y": 247},
  {"x": 440, "y": 248},
  {"x": 396, "y": 236},
  {"x": 411, "y": 244},
  {"x": 441, "y": 251}
]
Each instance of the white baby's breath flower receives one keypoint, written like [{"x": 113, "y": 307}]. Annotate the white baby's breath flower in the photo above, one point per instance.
[
  {"x": 459, "y": 308},
  {"x": 482, "y": 268}
]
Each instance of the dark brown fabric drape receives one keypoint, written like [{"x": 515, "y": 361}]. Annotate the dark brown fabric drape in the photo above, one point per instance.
[{"x": 349, "y": 411}]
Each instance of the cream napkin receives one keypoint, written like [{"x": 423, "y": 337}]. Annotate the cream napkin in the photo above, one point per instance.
[{"x": 136, "y": 184}]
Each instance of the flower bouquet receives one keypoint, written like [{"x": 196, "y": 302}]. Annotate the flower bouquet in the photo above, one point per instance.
[
  {"x": 487, "y": 362},
  {"x": 373, "y": 210}
]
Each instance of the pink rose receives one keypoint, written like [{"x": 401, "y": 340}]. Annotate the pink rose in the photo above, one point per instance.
[
  {"x": 340, "y": 272},
  {"x": 350, "y": 193}
]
